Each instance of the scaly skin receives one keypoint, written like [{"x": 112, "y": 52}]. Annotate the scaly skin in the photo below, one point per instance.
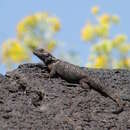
[{"x": 75, "y": 74}]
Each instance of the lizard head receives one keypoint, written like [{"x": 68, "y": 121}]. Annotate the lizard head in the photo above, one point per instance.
[{"x": 45, "y": 56}]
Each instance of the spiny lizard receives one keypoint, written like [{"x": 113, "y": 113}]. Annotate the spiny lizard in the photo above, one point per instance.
[{"x": 74, "y": 74}]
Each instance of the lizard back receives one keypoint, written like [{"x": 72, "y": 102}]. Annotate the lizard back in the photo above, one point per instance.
[{"x": 69, "y": 72}]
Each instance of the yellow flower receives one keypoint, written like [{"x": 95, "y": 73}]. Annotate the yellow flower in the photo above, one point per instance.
[
  {"x": 123, "y": 63},
  {"x": 41, "y": 16},
  {"x": 5, "y": 51},
  {"x": 30, "y": 21},
  {"x": 102, "y": 30},
  {"x": 88, "y": 32},
  {"x": 104, "y": 47},
  {"x": 27, "y": 23},
  {"x": 97, "y": 48},
  {"x": 104, "y": 19},
  {"x": 95, "y": 10},
  {"x": 13, "y": 51},
  {"x": 38, "y": 25},
  {"x": 124, "y": 48},
  {"x": 51, "y": 45},
  {"x": 119, "y": 39},
  {"x": 127, "y": 62},
  {"x": 115, "y": 19},
  {"x": 31, "y": 42},
  {"x": 21, "y": 29},
  {"x": 55, "y": 23},
  {"x": 101, "y": 62}
]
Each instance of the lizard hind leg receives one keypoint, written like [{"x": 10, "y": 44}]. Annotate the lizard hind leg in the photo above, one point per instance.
[{"x": 120, "y": 104}]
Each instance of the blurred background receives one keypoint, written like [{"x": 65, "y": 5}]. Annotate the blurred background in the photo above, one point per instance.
[{"x": 87, "y": 33}]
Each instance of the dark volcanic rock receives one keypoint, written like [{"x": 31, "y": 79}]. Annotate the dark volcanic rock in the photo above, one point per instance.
[{"x": 29, "y": 100}]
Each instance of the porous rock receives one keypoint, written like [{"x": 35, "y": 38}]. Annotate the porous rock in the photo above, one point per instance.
[{"x": 30, "y": 100}]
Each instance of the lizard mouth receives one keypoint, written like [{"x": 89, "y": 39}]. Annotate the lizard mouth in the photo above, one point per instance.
[{"x": 40, "y": 52}]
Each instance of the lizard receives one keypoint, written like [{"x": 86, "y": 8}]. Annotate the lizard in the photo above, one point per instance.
[{"x": 74, "y": 74}]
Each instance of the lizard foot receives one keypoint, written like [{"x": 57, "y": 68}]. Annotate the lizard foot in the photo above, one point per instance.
[
  {"x": 119, "y": 102},
  {"x": 118, "y": 110}
]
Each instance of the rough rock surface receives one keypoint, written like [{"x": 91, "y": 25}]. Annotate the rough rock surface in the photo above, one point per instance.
[{"x": 29, "y": 100}]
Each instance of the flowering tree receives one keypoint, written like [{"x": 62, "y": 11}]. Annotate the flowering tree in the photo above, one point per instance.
[
  {"x": 106, "y": 51},
  {"x": 33, "y": 31}
]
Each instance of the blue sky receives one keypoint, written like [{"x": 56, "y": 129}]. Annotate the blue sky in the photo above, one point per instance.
[{"x": 72, "y": 14}]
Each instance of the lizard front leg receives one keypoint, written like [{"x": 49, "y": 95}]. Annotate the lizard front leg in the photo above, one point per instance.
[
  {"x": 84, "y": 84},
  {"x": 52, "y": 69}
]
